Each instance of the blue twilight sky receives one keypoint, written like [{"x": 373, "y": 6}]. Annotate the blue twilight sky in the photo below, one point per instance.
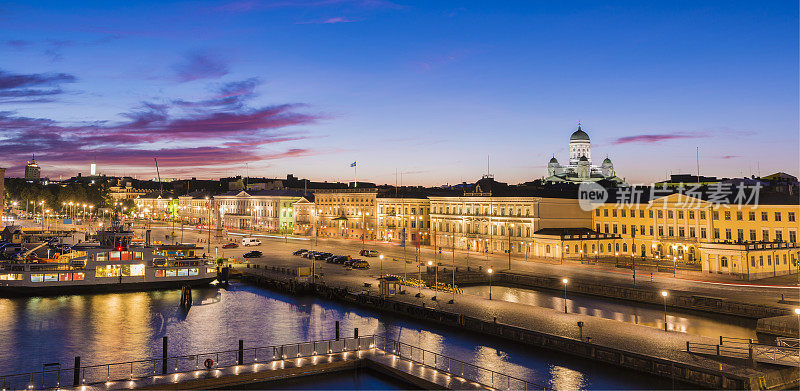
[{"x": 425, "y": 88}]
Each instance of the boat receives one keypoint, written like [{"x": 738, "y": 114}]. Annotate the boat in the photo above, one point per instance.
[{"x": 113, "y": 263}]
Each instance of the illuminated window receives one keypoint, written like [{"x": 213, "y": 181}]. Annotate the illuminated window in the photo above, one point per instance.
[
  {"x": 172, "y": 273},
  {"x": 192, "y": 271},
  {"x": 37, "y": 277},
  {"x": 10, "y": 277},
  {"x": 77, "y": 276}
]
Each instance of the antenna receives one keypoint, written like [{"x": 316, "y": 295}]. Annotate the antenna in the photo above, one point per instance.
[{"x": 698, "y": 165}]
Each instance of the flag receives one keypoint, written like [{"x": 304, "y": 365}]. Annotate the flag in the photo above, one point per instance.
[{"x": 353, "y": 164}]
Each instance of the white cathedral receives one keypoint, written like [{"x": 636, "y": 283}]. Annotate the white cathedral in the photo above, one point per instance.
[{"x": 580, "y": 168}]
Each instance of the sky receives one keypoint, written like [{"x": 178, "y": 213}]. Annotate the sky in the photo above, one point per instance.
[{"x": 424, "y": 91}]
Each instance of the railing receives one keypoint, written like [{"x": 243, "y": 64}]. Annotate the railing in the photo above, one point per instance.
[
  {"x": 53, "y": 376},
  {"x": 719, "y": 350},
  {"x": 788, "y": 342},
  {"x": 776, "y": 355},
  {"x": 457, "y": 368}
]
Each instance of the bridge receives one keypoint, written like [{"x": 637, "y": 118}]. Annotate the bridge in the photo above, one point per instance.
[{"x": 229, "y": 368}]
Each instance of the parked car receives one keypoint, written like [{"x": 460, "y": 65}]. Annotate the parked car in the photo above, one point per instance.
[
  {"x": 368, "y": 253},
  {"x": 308, "y": 254},
  {"x": 350, "y": 262},
  {"x": 330, "y": 258},
  {"x": 252, "y": 254},
  {"x": 300, "y": 251},
  {"x": 230, "y": 245},
  {"x": 342, "y": 259},
  {"x": 360, "y": 264},
  {"x": 250, "y": 242},
  {"x": 320, "y": 255}
]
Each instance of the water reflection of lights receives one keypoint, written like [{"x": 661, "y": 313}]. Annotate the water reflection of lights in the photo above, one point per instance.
[{"x": 566, "y": 379}]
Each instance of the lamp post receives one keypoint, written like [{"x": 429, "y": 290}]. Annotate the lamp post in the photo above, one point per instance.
[
  {"x": 510, "y": 228},
  {"x": 381, "y": 258},
  {"x": 565, "y": 282},
  {"x": 664, "y": 294},
  {"x": 436, "y": 279},
  {"x": 490, "y": 271}
]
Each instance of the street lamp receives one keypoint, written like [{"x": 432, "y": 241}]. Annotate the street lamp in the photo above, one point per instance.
[
  {"x": 797, "y": 311},
  {"x": 435, "y": 281},
  {"x": 565, "y": 282},
  {"x": 664, "y": 294},
  {"x": 490, "y": 271},
  {"x": 381, "y": 258}
]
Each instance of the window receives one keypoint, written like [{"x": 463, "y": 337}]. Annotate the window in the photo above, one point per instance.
[
  {"x": 691, "y": 215},
  {"x": 727, "y": 215},
  {"x": 778, "y": 235},
  {"x": 641, "y": 214},
  {"x": 752, "y": 235},
  {"x": 716, "y": 233},
  {"x": 194, "y": 271},
  {"x": 764, "y": 216},
  {"x": 171, "y": 273},
  {"x": 660, "y": 214},
  {"x": 727, "y": 234},
  {"x": 702, "y": 215},
  {"x": 777, "y": 216},
  {"x": 605, "y": 212},
  {"x": 671, "y": 231},
  {"x": 769, "y": 260},
  {"x": 650, "y": 214},
  {"x": 792, "y": 236},
  {"x": 739, "y": 216},
  {"x": 641, "y": 230},
  {"x": 10, "y": 277},
  {"x": 108, "y": 271},
  {"x": 622, "y": 213},
  {"x": 740, "y": 235},
  {"x": 597, "y": 227},
  {"x": 791, "y": 216},
  {"x": 597, "y": 212},
  {"x": 37, "y": 277},
  {"x": 681, "y": 232},
  {"x": 753, "y": 260},
  {"x": 651, "y": 230},
  {"x": 691, "y": 232},
  {"x": 723, "y": 262},
  {"x": 159, "y": 273},
  {"x": 702, "y": 233},
  {"x": 77, "y": 276},
  {"x": 614, "y": 212},
  {"x": 605, "y": 228},
  {"x": 760, "y": 260},
  {"x": 624, "y": 229},
  {"x": 765, "y": 235},
  {"x": 669, "y": 214},
  {"x": 680, "y": 214},
  {"x": 660, "y": 231},
  {"x": 752, "y": 217}
]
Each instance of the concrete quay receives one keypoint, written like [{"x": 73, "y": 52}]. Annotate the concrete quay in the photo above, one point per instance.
[{"x": 621, "y": 344}]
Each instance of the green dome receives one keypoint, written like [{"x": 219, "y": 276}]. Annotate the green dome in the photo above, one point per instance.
[
  {"x": 583, "y": 159},
  {"x": 607, "y": 160},
  {"x": 579, "y": 135},
  {"x": 553, "y": 160}
]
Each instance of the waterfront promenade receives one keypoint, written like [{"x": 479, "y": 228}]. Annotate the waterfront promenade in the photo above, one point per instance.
[{"x": 627, "y": 345}]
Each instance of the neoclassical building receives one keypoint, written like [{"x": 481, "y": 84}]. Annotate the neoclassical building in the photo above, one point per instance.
[{"x": 580, "y": 167}]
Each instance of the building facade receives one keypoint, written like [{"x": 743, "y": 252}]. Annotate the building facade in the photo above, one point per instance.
[
  {"x": 347, "y": 213},
  {"x": 488, "y": 221},
  {"x": 305, "y": 216},
  {"x": 262, "y": 210},
  {"x": 404, "y": 220},
  {"x": 195, "y": 209},
  {"x": 745, "y": 242}
]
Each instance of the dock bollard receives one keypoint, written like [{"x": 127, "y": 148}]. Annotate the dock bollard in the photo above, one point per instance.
[
  {"x": 241, "y": 352},
  {"x": 164, "y": 356},
  {"x": 355, "y": 333},
  {"x": 76, "y": 372}
]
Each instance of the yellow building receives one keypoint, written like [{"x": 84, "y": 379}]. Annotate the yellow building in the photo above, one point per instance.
[
  {"x": 492, "y": 217},
  {"x": 347, "y": 213},
  {"x": 404, "y": 219},
  {"x": 745, "y": 242},
  {"x": 305, "y": 216}
]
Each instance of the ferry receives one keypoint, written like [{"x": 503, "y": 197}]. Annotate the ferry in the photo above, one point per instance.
[{"x": 113, "y": 263}]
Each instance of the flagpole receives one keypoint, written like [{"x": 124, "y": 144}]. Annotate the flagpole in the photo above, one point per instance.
[{"x": 355, "y": 175}]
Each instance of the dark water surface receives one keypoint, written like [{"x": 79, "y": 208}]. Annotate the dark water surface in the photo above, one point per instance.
[
  {"x": 356, "y": 379},
  {"x": 107, "y": 328},
  {"x": 708, "y": 325}
]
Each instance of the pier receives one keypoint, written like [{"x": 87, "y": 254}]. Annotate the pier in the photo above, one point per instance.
[{"x": 414, "y": 365}]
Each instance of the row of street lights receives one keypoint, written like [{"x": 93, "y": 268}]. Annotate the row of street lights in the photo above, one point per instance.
[{"x": 565, "y": 281}]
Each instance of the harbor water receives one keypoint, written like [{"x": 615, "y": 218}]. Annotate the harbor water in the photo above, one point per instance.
[{"x": 107, "y": 328}]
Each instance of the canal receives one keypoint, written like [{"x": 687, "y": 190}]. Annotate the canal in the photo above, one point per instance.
[
  {"x": 104, "y": 328},
  {"x": 691, "y": 322}
]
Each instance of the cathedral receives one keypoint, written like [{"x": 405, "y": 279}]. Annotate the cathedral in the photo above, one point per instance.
[{"x": 580, "y": 167}]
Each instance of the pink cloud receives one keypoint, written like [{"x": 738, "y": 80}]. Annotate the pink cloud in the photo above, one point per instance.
[{"x": 654, "y": 138}]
